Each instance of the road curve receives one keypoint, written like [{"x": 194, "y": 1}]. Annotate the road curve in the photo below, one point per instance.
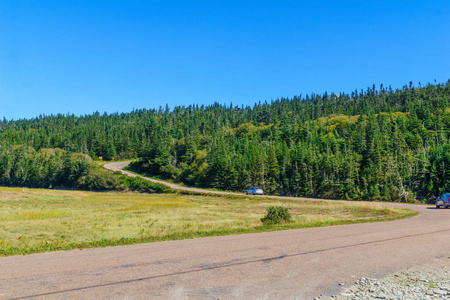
[
  {"x": 120, "y": 165},
  {"x": 292, "y": 264}
]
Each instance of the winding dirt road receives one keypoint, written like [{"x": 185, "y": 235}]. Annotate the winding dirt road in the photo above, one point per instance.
[
  {"x": 293, "y": 264},
  {"x": 119, "y": 166}
]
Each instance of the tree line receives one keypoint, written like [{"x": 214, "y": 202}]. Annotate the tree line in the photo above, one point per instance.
[
  {"x": 55, "y": 168},
  {"x": 377, "y": 143}
]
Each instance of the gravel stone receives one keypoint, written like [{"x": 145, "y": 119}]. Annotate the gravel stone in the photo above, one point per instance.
[{"x": 426, "y": 282}]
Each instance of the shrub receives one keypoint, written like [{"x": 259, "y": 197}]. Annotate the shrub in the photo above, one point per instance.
[
  {"x": 98, "y": 179},
  {"x": 142, "y": 185},
  {"x": 276, "y": 214}
]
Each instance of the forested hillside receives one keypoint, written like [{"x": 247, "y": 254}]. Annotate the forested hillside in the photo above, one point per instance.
[{"x": 373, "y": 144}]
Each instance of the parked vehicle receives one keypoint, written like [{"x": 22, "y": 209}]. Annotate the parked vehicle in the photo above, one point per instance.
[
  {"x": 254, "y": 191},
  {"x": 443, "y": 201}
]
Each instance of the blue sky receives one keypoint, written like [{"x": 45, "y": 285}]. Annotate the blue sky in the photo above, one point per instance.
[{"x": 114, "y": 56}]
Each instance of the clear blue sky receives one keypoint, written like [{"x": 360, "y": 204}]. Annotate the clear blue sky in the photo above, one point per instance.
[{"x": 90, "y": 55}]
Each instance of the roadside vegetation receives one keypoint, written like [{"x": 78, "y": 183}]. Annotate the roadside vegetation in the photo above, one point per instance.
[
  {"x": 57, "y": 168},
  {"x": 276, "y": 215},
  {"x": 40, "y": 220}
]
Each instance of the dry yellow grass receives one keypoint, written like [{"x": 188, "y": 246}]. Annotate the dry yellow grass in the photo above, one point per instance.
[{"x": 36, "y": 217}]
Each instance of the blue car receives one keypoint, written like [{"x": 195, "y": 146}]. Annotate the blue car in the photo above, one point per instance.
[
  {"x": 254, "y": 191},
  {"x": 443, "y": 201}
]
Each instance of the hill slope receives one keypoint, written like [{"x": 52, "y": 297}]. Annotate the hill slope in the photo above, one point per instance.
[{"x": 373, "y": 144}]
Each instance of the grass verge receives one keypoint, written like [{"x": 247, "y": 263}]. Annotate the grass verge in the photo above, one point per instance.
[{"x": 36, "y": 220}]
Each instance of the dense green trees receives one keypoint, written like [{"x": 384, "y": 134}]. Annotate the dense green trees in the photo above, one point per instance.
[
  {"x": 373, "y": 144},
  {"x": 56, "y": 168},
  {"x": 47, "y": 168}
]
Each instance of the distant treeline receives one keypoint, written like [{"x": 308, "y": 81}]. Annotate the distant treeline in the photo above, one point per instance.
[{"x": 373, "y": 144}]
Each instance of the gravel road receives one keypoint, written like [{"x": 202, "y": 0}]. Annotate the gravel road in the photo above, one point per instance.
[
  {"x": 120, "y": 165},
  {"x": 293, "y": 264}
]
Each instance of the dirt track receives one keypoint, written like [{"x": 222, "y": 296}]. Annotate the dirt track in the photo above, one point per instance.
[
  {"x": 294, "y": 264},
  {"x": 120, "y": 165}
]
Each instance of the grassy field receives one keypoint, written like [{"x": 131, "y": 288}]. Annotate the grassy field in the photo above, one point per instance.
[{"x": 38, "y": 220}]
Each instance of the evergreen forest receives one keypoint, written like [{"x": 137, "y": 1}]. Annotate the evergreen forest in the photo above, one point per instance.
[{"x": 373, "y": 144}]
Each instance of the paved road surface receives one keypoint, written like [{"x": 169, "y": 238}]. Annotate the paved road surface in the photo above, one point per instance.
[{"x": 294, "y": 264}]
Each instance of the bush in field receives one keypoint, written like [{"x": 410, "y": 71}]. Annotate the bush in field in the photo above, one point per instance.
[
  {"x": 276, "y": 215},
  {"x": 98, "y": 179},
  {"x": 142, "y": 185}
]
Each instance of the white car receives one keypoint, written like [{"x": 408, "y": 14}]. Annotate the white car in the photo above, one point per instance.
[{"x": 254, "y": 191}]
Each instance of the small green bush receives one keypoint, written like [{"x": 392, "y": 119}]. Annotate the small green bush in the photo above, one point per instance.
[
  {"x": 142, "y": 185},
  {"x": 276, "y": 215},
  {"x": 98, "y": 179}
]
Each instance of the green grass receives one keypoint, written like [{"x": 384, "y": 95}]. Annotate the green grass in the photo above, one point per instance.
[{"x": 37, "y": 220}]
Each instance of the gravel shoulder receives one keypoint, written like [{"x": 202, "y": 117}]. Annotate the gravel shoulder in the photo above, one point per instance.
[{"x": 427, "y": 281}]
